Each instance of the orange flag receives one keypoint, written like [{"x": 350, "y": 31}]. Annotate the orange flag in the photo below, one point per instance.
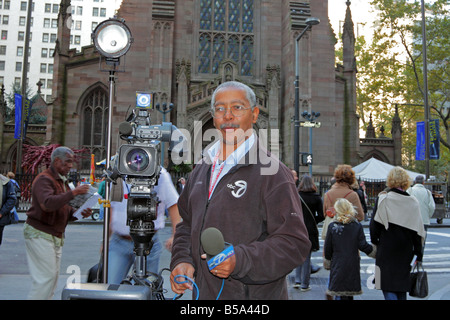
[{"x": 92, "y": 176}]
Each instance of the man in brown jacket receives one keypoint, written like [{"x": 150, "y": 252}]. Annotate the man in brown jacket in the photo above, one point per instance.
[
  {"x": 47, "y": 220},
  {"x": 258, "y": 211}
]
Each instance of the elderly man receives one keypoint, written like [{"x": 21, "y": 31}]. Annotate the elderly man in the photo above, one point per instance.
[
  {"x": 425, "y": 198},
  {"x": 47, "y": 220},
  {"x": 257, "y": 211}
]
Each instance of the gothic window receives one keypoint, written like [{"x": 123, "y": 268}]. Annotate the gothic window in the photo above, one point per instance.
[
  {"x": 226, "y": 31},
  {"x": 218, "y": 52},
  {"x": 205, "y": 54},
  {"x": 94, "y": 125}
]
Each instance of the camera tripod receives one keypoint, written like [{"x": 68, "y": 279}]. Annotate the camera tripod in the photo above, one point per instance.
[{"x": 142, "y": 233}]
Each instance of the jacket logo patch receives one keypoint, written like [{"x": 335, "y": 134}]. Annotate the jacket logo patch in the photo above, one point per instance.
[{"x": 239, "y": 188}]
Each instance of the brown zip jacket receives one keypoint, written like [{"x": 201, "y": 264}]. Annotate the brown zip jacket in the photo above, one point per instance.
[
  {"x": 50, "y": 211},
  {"x": 259, "y": 214}
]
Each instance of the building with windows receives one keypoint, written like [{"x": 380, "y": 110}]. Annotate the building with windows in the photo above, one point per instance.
[{"x": 86, "y": 14}]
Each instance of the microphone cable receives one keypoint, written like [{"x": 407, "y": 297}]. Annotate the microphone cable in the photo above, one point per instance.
[
  {"x": 221, "y": 288},
  {"x": 187, "y": 279}
]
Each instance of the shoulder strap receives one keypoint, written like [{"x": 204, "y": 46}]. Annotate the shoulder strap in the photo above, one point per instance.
[
  {"x": 306, "y": 205},
  {"x": 344, "y": 196},
  {"x": 348, "y": 194}
]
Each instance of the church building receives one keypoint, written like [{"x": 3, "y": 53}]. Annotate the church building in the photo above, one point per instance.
[{"x": 183, "y": 49}]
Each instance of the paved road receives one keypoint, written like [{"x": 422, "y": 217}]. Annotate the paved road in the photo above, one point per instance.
[{"x": 83, "y": 243}]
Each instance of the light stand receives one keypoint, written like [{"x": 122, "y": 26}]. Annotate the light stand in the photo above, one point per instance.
[
  {"x": 309, "y": 23},
  {"x": 112, "y": 38}
]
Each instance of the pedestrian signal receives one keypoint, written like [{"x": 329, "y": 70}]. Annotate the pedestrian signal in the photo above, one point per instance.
[{"x": 307, "y": 159}]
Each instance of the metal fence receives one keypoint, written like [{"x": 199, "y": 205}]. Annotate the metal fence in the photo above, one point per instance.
[{"x": 323, "y": 183}]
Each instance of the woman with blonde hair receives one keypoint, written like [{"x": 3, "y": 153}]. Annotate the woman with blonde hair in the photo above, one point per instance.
[
  {"x": 345, "y": 237},
  {"x": 398, "y": 231}
]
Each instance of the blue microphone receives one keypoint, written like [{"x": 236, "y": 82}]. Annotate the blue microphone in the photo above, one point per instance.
[{"x": 217, "y": 250}]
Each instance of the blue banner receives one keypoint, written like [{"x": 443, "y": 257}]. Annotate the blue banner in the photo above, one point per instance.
[
  {"x": 434, "y": 140},
  {"x": 18, "y": 112}
]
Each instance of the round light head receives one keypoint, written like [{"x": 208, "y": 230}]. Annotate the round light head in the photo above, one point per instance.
[
  {"x": 112, "y": 38},
  {"x": 312, "y": 21}
]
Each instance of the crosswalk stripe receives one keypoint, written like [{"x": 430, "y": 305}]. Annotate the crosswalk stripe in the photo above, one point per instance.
[{"x": 436, "y": 259}]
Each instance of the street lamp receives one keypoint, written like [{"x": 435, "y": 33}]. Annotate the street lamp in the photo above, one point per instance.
[
  {"x": 425, "y": 90},
  {"x": 24, "y": 89},
  {"x": 164, "y": 111},
  {"x": 310, "y": 117},
  {"x": 309, "y": 23},
  {"x": 112, "y": 38}
]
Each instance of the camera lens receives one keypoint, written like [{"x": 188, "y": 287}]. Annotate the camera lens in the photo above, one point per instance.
[{"x": 137, "y": 159}]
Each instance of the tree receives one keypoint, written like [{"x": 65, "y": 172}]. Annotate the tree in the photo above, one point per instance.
[
  {"x": 390, "y": 71},
  {"x": 37, "y": 158}
]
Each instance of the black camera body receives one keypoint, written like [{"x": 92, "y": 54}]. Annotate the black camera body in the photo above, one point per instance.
[
  {"x": 140, "y": 159},
  {"x": 139, "y": 164}
]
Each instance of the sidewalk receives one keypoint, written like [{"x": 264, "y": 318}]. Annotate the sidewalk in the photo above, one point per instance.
[{"x": 82, "y": 249}]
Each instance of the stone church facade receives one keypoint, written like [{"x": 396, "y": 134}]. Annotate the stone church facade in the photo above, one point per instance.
[{"x": 183, "y": 49}]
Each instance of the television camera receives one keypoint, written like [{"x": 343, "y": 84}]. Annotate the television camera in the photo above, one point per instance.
[{"x": 138, "y": 162}]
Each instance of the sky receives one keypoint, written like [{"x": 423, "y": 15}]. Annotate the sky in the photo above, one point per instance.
[{"x": 362, "y": 15}]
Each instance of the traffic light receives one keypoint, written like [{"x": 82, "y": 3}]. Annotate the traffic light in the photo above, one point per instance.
[{"x": 307, "y": 159}]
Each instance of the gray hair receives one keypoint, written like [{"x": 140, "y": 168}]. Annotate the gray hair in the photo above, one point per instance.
[
  {"x": 249, "y": 93},
  {"x": 62, "y": 153},
  {"x": 419, "y": 179}
]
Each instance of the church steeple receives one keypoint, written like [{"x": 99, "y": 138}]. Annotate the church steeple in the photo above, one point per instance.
[
  {"x": 56, "y": 117},
  {"x": 64, "y": 26},
  {"x": 351, "y": 118},
  {"x": 348, "y": 40}
]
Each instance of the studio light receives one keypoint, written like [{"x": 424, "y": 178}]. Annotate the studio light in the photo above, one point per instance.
[{"x": 112, "y": 38}]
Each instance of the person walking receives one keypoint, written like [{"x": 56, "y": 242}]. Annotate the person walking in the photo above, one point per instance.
[
  {"x": 342, "y": 188},
  {"x": 101, "y": 191},
  {"x": 47, "y": 220},
  {"x": 425, "y": 199},
  {"x": 180, "y": 184},
  {"x": 345, "y": 237},
  {"x": 312, "y": 208},
  {"x": 355, "y": 186},
  {"x": 398, "y": 231},
  {"x": 11, "y": 177},
  {"x": 8, "y": 201}
]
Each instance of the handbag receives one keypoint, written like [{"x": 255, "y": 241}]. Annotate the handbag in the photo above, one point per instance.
[{"x": 419, "y": 281}]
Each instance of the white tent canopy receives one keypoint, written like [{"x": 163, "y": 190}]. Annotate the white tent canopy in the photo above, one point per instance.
[{"x": 374, "y": 169}]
